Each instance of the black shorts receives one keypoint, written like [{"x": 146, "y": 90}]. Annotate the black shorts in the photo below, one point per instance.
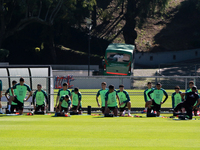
[
  {"x": 155, "y": 106},
  {"x": 75, "y": 107},
  {"x": 121, "y": 109},
  {"x": 103, "y": 109},
  {"x": 19, "y": 104},
  {"x": 38, "y": 107},
  {"x": 63, "y": 108},
  {"x": 112, "y": 108},
  {"x": 13, "y": 107}
]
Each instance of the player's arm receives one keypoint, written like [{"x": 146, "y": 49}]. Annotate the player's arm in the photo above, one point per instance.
[
  {"x": 1, "y": 89},
  {"x": 127, "y": 97},
  {"x": 106, "y": 101},
  {"x": 173, "y": 100},
  {"x": 33, "y": 100},
  {"x": 6, "y": 94},
  {"x": 12, "y": 90},
  {"x": 97, "y": 98},
  {"x": 166, "y": 97},
  {"x": 118, "y": 98},
  {"x": 30, "y": 93},
  {"x": 182, "y": 96},
  {"x": 69, "y": 106},
  {"x": 145, "y": 96},
  {"x": 59, "y": 107},
  {"x": 198, "y": 103},
  {"x": 58, "y": 97},
  {"x": 47, "y": 100},
  {"x": 149, "y": 94},
  {"x": 79, "y": 101}
]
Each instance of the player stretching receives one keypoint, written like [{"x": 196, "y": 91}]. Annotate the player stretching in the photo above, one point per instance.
[
  {"x": 63, "y": 91},
  {"x": 102, "y": 93},
  {"x": 13, "y": 105},
  {"x": 156, "y": 100},
  {"x": 0, "y": 96},
  {"x": 19, "y": 98},
  {"x": 176, "y": 97},
  {"x": 146, "y": 97},
  {"x": 124, "y": 101},
  {"x": 40, "y": 96},
  {"x": 188, "y": 103},
  {"x": 76, "y": 101},
  {"x": 64, "y": 104},
  {"x": 111, "y": 101}
]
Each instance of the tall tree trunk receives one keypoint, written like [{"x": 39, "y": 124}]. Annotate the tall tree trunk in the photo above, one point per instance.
[{"x": 129, "y": 32}]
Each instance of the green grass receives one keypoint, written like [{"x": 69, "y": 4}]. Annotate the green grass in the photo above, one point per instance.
[
  {"x": 136, "y": 96},
  {"x": 93, "y": 132}
]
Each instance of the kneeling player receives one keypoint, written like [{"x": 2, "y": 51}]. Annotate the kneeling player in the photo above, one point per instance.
[
  {"x": 156, "y": 101},
  {"x": 64, "y": 104},
  {"x": 189, "y": 103},
  {"x": 111, "y": 101},
  {"x": 76, "y": 101},
  {"x": 40, "y": 96},
  {"x": 124, "y": 101}
]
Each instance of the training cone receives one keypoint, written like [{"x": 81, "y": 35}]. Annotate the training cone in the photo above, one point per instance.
[{"x": 66, "y": 115}]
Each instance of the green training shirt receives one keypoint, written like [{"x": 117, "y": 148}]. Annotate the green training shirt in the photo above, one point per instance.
[
  {"x": 111, "y": 99},
  {"x": 158, "y": 95},
  {"x": 76, "y": 98},
  {"x": 10, "y": 93},
  {"x": 21, "y": 91},
  {"x": 176, "y": 99},
  {"x": 1, "y": 88},
  {"x": 40, "y": 97},
  {"x": 146, "y": 97},
  {"x": 102, "y": 93},
  {"x": 123, "y": 97},
  {"x": 64, "y": 103},
  {"x": 62, "y": 92}
]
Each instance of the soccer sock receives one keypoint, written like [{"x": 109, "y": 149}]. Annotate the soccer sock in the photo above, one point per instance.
[
  {"x": 9, "y": 107},
  {"x": 129, "y": 111},
  {"x": 145, "y": 108},
  {"x": 124, "y": 112},
  {"x": 1, "y": 110}
]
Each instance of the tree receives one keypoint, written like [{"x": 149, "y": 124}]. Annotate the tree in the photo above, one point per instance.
[{"x": 141, "y": 9}]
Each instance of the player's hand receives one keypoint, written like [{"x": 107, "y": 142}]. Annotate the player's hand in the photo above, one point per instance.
[
  {"x": 47, "y": 106},
  {"x": 25, "y": 99},
  {"x": 55, "y": 106},
  {"x": 121, "y": 103},
  {"x": 98, "y": 105},
  {"x": 161, "y": 103}
]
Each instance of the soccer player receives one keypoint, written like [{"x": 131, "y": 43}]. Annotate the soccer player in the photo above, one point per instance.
[
  {"x": 19, "y": 98},
  {"x": 40, "y": 95},
  {"x": 157, "y": 98},
  {"x": 0, "y": 96},
  {"x": 63, "y": 91},
  {"x": 111, "y": 101},
  {"x": 146, "y": 97},
  {"x": 124, "y": 101},
  {"x": 102, "y": 93},
  {"x": 176, "y": 97},
  {"x": 76, "y": 101},
  {"x": 13, "y": 104},
  {"x": 188, "y": 103},
  {"x": 64, "y": 104}
]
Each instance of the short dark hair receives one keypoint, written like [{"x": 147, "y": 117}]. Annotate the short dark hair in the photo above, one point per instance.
[
  {"x": 21, "y": 79},
  {"x": 111, "y": 87},
  {"x": 191, "y": 82},
  {"x": 66, "y": 96},
  {"x": 158, "y": 83},
  {"x": 14, "y": 81},
  {"x": 103, "y": 83},
  {"x": 76, "y": 89},
  {"x": 121, "y": 85},
  {"x": 194, "y": 88},
  {"x": 177, "y": 87},
  {"x": 148, "y": 83},
  {"x": 39, "y": 85},
  {"x": 65, "y": 84}
]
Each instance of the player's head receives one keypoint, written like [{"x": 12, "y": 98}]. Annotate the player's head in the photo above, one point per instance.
[
  {"x": 65, "y": 85},
  {"x": 121, "y": 87},
  {"x": 111, "y": 88},
  {"x": 149, "y": 85},
  {"x": 66, "y": 97},
  {"x": 194, "y": 89},
  {"x": 39, "y": 87},
  {"x": 14, "y": 82},
  {"x": 158, "y": 85},
  {"x": 103, "y": 85},
  {"x": 21, "y": 81},
  {"x": 191, "y": 84},
  {"x": 177, "y": 88},
  {"x": 76, "y": 90}
]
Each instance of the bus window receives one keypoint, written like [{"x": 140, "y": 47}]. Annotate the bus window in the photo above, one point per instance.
[{"x": 118, "y": 57}]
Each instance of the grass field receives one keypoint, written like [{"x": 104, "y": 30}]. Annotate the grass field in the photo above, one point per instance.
[
  {"x": 136, "y": 96},
  {"x": 95, "y": 132}
]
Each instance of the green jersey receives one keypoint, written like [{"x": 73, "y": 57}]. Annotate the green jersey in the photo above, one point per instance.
[
  {"x": 21, "y": 91},
  {"x": 1, "y": 88},
  {"x": 10, "y": 93},
  {"x": 123, "y": 97},
  {"x": 176, "y": 99},
  {"x": 76, "y": 98},
  {"x": 62, "y": 92},
  {"x": 158, "y": 95},
  {"x": 146, "y": 97},
  {"x": 111, "y": 99},
  {"x": 102, "y": 93},
  {"x": 40, "y": 97},
  {"x": 64, "y": 103}
]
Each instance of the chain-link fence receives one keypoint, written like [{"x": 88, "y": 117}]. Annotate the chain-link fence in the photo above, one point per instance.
[{"x": 89, "y": 86}]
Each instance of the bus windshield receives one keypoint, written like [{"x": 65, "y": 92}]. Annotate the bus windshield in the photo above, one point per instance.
[{"x": 118, "y": 57}]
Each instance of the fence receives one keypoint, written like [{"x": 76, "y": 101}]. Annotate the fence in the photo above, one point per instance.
[{"x": 89, "y": 86}]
